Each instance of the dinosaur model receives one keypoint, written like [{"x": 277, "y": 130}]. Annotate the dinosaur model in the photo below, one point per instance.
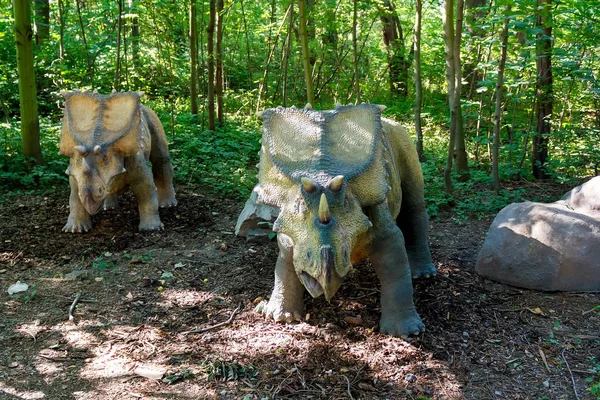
[
  {"x": 349, "y": 186},
  {"x": 109, "y": 140}
]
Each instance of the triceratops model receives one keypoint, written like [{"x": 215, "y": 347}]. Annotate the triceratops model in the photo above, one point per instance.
[
  {"x": 349, "y": 186},
  {"x": 109, "y": 139}
]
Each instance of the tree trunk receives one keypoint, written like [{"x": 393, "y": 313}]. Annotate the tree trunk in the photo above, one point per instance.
[
  {"x": 418, "y": 84},
  {"x": 193, "y": 35},
  {"x": 462, "y": 165},
  {"x": 263, "y": 85},
  {"x": 135, "y": 34},
  {"x": 117, "y": 81},
  {"x": 42, "y": 20},
  {"x": 61, "y": 30},
  {"x": 210, "y": 55},
  {"x": 448, "y": 24},
  {"x": 355, "y": 53},
  {"x": 30, "y": 125},
  {"x": 305, "y": 54},
  {"x": 499, "y": 97},
  {"x": 394, "y": 42},
  {"x": 543, "y": 89},
  {"x": 90, "y": 64},
  {"x": 219, "y": 60},
  {"x": 248, "y": 58},
  {"x": 286, "y": 54}
]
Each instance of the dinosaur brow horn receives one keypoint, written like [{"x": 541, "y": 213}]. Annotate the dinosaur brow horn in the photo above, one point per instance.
[
  {"x": 309, "y": 185},
  {"x": 81, "y": 150},
  {"x": 324, "y": 214},
  {"x": 336, "y": 183}
]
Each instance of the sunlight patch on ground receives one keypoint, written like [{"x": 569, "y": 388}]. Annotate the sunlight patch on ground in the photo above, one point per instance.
[
  {"x": 31, "y": 329},
  {"x": 184, "y": 298},
  {"x": 20, "y": 394},
  {"x": 48, "y": 369}
]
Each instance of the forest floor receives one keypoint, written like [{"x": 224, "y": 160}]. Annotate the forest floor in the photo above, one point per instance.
[{"x": 141, "y": 294}]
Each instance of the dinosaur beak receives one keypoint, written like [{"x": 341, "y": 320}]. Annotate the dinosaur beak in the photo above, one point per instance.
[
  {"x": 90, "y": 204},
  {"x": 328, "y": 282}
]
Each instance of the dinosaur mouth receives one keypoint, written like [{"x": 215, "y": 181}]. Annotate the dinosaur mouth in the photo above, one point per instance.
[
  {"x": 311, "y": 284},
  {"x": 91, "y": 206}
]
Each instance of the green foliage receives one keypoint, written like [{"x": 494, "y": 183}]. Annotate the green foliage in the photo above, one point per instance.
[
  {"x": 102, "y": 264},
  {"x": 221, "y": 370},
  {"x": 15, "y": 170},
  {"x": 222, "y": 161},
  {"x": 594, "y": 381}
]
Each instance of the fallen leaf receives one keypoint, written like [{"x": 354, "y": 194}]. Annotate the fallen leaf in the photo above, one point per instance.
[
  {"x": 150, "y": 372},
  {"x": 536, "y": 311},
  {"x": 356, "y": 321}
]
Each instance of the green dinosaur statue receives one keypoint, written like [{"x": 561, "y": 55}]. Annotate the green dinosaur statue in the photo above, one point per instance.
[
  {"x": 109, "y": 139},
  {"x": 349, "y": 186}
]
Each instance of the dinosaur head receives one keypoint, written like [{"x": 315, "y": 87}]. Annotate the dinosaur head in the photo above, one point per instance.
[
  {"x": 324, "y": 223},
  {"x": 94, "y": 170}
]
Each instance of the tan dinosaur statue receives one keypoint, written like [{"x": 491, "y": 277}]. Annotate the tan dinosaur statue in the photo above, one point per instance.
[{"x": 109, "y": 139}]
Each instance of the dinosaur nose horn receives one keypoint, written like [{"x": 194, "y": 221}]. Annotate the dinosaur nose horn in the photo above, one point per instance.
[{"x": 324, "y": 214}]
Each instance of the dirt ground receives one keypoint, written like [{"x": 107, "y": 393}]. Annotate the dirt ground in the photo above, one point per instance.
[{"x": 141, "y": 293}]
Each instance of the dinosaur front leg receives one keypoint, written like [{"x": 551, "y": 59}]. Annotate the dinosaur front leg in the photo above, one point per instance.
[
  {"x": 142, "y": 184},
  {"x": 286, "y": 302},
  {"x": 388, "y": 256},
  {"x": 79, "y": 219}
]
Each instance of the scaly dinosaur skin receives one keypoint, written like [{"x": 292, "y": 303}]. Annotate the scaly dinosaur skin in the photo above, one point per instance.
[
  {"x": 349, "y": 186},
  {"x": 109, "y": 140}
]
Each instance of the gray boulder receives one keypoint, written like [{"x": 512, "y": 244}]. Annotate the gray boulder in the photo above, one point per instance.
[{"x": 547, "y": 246}]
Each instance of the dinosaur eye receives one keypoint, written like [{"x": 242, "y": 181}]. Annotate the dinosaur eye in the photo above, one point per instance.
[{"x": 346, "y": 205}]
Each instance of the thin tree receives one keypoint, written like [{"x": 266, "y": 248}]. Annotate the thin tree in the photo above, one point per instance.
[
  {"x": 543, "y": 89},
  {"x": 393, "y": 39},
  {"x": 193, "y": 35},
  {"x": 219, "y": 62},
  {"x": 117, "y": 80},
  {"x": 30, "y": 124},
  {"x": 61, "y": 30},
  {"x": 499, "y": 98},
  {"x": 135, "y": 33},
  {"x": 418, "y": 83},
  {"x": 286, "y": 54},
  {"x": 355, "y": 51},
  {"x": 263, "y": 85},
  {"x": 210, "y": 55},
  {"x": 310, "y": 96},
  {"x": 42, "y": 20},
  {"x": 456, "y": 144}
]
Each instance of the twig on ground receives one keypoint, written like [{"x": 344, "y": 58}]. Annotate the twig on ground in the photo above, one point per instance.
[
  {"x": 589, "y": 311},
  {"x": 55, "y": 359},
  {"x": 72, "y": 308},
  {"x": 571, "y": 373},
  {"x": 585, "y": 337},
  {"x": 220, "y": 324},
  {"x": 544, "y": 359},
  {"x": 348, "y": 388}
]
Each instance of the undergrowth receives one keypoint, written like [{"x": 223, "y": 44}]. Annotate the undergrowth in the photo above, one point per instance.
[{"x": 224, "y": 162}]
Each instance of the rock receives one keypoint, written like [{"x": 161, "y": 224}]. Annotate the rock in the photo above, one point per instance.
[
  {"x": 547, "y": 246},
  {"x": 249, "y": 222},
  {"x": 71, "y": 276}
]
